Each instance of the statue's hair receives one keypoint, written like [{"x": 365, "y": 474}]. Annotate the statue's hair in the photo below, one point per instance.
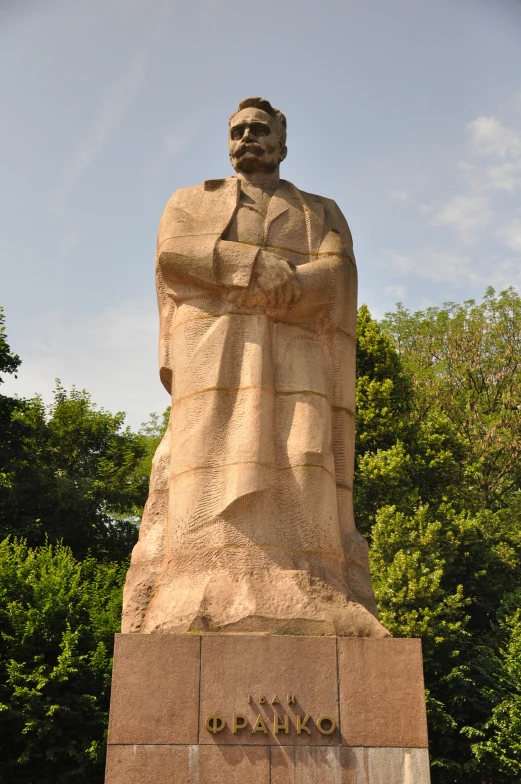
[{"x": 262, "y": 103}]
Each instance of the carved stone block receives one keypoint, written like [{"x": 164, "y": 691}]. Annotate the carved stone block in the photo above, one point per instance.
[{"x": 266, "y": 709}]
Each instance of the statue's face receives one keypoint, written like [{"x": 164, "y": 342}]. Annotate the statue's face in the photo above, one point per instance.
[{"x": 253, "y": 142}]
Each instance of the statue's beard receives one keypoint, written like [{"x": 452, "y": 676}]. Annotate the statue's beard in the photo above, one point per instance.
[{"x": 248, "y": 159}]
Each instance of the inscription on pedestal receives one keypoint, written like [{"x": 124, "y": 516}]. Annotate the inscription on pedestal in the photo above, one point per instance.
[
  {"x": 276, "y": 702},
  {"x": 325, "y": 724},
  {"x": 192, "y": 709}
]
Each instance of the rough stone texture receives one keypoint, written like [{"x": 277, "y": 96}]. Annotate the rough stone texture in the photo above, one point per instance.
[
  {"x": 249, "y": 524},
  {"x": 232, "y": 765},
  {"x": 308, "y": 765},
  {"x": 234, "y": 666},
  {"x": 155, "y": 690},
  {"x": 148, "y": 765},
  {"x": 265, "y": 765},
  {"x": 382, "y": 693},
  {"x": 187, "y": 765}
]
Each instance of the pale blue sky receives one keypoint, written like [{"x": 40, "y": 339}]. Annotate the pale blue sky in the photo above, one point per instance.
[{"x": 407, "y": 112}]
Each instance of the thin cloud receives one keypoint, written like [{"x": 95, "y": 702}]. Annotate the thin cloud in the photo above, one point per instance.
[
  {"x": 467, "y": 214},
  {"x": 510, "y": 234},
  {"x": 489, "y": 136},
  {"x": 492, "y": 165},
  {"x": 505, "y": 176},
  {"x": 443, "y": 266},
  {"x": 171, "y": 145},
  {"x": 115, "y": 103},
  {"x": 399, "y": 195},
  {"x": 435, "y": 265},
  {"x": 396, "y": 291}
]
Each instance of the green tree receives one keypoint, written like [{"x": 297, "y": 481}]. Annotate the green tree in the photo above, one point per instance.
[
  {"x": 153, "y": 431},
  {"x": 437, "y": 494},
  {"x": 9, "y": 362},
  {"x": 10, "y": 429},
  {"x": 404, "y": 457},
  {"x": 497, "y": 746},
  {"x": 465, "y": 361},
  {"x": 441, "y": 576},
  {"x": 71, "y": 471},
  {"x": 79, "y": 477},
  {"x": 58, "y": 617}
]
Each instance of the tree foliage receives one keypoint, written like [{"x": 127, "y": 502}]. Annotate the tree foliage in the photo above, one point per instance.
[
  {"x": 78, "y": 476},
  {"x": 437, "y": 491},
  {"x": 465, "y": 361},
  {"x": 10, "y": 430},
  {"x": 9, "y": 362},
  {"x": 58, "y": 617}
]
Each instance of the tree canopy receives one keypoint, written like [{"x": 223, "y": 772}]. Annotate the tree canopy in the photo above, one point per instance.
[
  {"x": 58, "y": 617},
  {"x": 437, "y": 491},
  {"x": 74, "y": 474}
]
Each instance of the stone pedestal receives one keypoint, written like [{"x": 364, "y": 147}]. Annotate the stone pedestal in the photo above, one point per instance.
[{"x": 221, "y": 709}]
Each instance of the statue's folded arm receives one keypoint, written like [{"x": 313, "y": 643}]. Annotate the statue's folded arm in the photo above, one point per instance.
[{"x": 210, "y": 260}]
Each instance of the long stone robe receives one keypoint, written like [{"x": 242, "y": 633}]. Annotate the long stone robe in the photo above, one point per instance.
[{"x": 249, "y": 523}]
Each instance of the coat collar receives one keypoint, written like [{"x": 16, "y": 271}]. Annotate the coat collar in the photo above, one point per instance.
[
  {"x": 279, "y": 202},
  {"x": 313, "y": 209},
  {"x": 285, "y": 194}
]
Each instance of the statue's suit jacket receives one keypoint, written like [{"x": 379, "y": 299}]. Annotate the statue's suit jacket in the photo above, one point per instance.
[
  {"x": 193, "y": 223},
  {"x": 260, "y": 445}
]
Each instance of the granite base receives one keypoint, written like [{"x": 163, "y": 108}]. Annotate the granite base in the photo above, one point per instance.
[{"x": 201, "y": 709}]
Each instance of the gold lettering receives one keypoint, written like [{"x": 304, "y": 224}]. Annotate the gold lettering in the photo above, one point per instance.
[
  {"x": 291, "y": 699},
  {"x": 275, "y": 701},
  {"x": 240, "y": 722},
  {"x": 259, "y": 726},
  {"x": 284, "y": 725},
  {"x": 327, "y": 720},
  {"x": 248, "y": 698},
  {"x": 215, "y": 724},
  {"x": 262, "y": 699},
  {"x": 301, "y": 724}
]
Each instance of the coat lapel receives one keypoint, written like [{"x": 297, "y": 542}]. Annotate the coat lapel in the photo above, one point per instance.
[
  {"x": 314, "y": 215},
  {"x": 278, "y": 205},
  {"x": 224, "y": 195},
  {"x": 221, "y": 198},
  {"x": 290, "y": 196}
]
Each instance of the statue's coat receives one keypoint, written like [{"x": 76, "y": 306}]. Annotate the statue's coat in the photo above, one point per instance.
[{"x": 250, "y": 507}]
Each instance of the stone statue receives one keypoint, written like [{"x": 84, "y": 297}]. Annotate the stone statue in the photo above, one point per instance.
[{"x": 249, "y": 524}]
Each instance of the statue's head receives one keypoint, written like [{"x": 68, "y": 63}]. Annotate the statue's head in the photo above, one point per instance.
[{"x": 257, "y": 137}]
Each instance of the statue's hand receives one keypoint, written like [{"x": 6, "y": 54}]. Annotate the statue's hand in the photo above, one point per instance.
[
  {"x": 252, "y": 297},
  {"x": 276, "y": 280}
]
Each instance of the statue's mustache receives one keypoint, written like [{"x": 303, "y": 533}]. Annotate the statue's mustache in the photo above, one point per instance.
[{"x": 255, "y": 149}]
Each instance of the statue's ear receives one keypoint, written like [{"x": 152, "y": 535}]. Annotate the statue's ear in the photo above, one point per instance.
[{"x": 283, "y": 153}]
